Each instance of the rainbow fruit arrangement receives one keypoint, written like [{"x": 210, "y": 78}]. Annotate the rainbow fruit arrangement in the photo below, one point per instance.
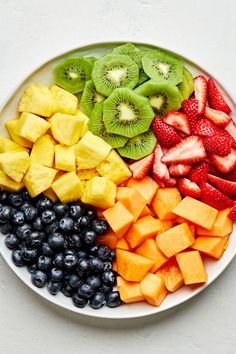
[{"x": 122, "y": 172}]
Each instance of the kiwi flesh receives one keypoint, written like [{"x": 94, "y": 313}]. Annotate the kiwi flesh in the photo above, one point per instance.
[
  {"x": 72, "y": 74},
  {"x": 161, "y": 66},
  {"x": 114, "y": 71},
  {"x": 139, "y": 146},
  {"x": 127, "y": 49},
  {"x": 189, "y": 77},
  {"x": 163, "y": 97},
  {"x": 126, "y": 113},
  {"x": 97, "y": 127},
  {"x": 91, "y": 59},
  {"x": 184, "y": 88},
  {"x": 90, "y": 97}
]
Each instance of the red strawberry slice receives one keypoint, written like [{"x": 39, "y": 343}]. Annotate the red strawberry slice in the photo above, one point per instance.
[
  {"x": 189, "y": 188},
  {"x": 214, "y": 197},
  {"x": 170, "y": 182},
  {"x": 214, "y": 171},
  {"x": 232, "y": 214},
  {"x": 165, "y": 134},
  {"x": 218, "y": 144},
  {"x": 179, "y": 169},
  {"x": 204, "y": 127},
  {"x": 231, "y": 129},
  {"x": 226, "y": 187},
  {"x": 179, "y": 121},
  {"x": 200, "y": 89},
  {"x": 231, "y": 176},
  {"x": 215, "y": 98},
  {"x": 217, "y": 117},
  {"x": 140, "y": 168},
  {"x": 199, "y": 172},
  {"x": 224, "y": 164},
  {"x": 189, "y": 150},
  {"x": 159, "y": 169},
  {"x": 190, "y": 107}
]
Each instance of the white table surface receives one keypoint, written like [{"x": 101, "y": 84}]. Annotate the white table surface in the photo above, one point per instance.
[{"x": 33, "y": 31}]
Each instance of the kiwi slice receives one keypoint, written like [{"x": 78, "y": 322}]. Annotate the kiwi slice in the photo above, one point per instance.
[
  {"x": 91, "y": 59},
  {"x": 126, "y": 113},
  {"x": 162, "y": 66},
  {"x": 127, "y": 49},
  {"x": 189, "y": 77},
  {"x": 114, "y": 71},
  {"x": 163, "y": 97},
  {"x": 184, "y": 88},
  {"x": 90, "y": 97},
  {"x": 139, "y": 146},
  {"x": 97, "y": 127},
  {"x": 72, "y": 74}
]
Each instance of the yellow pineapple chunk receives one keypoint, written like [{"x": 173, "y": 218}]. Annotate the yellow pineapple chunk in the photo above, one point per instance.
[
  {"x": 85, "y": 119},
  {"x": 114, "y": 168},
  {"x": 65, "y": 157},
  {"x": 14, "y": 164},
  {"x": 50, "y": 194},
  {"x": 43, "y": 151},
  {"x": 7, "y": 145},
  {"x": 38, "y": 178},
  {"x": 68, "y": 187},
  {"x": 12, "y": 126},
  {"x": 90, "y": 151},
  {"x": 63, "y": 101},
  {"x": 86, "y": 175},
  {"x": 8, "y": 184},
  {"x": 100, "y": 192},
  {"x": 31, "y": 127},
  {"x": 37, "y": 99}
]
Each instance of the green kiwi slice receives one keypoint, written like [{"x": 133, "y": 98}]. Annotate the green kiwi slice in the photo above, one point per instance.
[
  {"x": 91, "y": 59},
  {"x": 162, "y": 66},
  {"x": 127, "y": 49},
  {"x": 90, "y": 97},
  {"x": 114, "y": 71},
  {"x": 189, "y": 77},
  {"x": 97, "y": 127},
  {"x": 163, "y": 97},
  {"x": 126, "y": 113},
  {"x": 184, "y": 88},
  {"x": 139, "y": 146},
  {"x": 72, "y": 73}
]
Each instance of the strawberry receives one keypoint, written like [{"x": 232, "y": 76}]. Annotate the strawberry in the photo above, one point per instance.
[
  {"x": 179, "y": 170},
  {"x": 140, "y": 168},
  {"x": 190, "y": 107},
  {"x": 218, "y": 144},
  {"x": 231, "y": 176},
  {"x": 178, "y": 120},
  {"x": 170, "y": 182},
  {"x": 231, "y": 129},
  {"x": 199, "y": 172},
  {"x": 224, "y": 164},
  {"x": 232, "y": 214},
  {"x": 159, "y": 169},
  {"x": 214, "y": 171},
  {"x": 204, "y": 127},
  {"x": 217, "y": 117},
  {"x": 200, "y": 89},
  {"x": 189, "y": 188},
  {"x": 189, "y": 150},
  {"x": 215, "y": 98},
  {"x": 226, "y": 187},
  {"x": 214, "y": 197},
  {"x": 165, "y": 134}
]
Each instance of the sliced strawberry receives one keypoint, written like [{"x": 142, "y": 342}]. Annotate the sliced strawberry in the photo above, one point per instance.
[
  {"x": 214, "y": 197},
  {"x": 231, "y": 129},
  {"x": 190, "y": 107},
  {"x": 204, "y": 127},
  {"x": 215, "y": 98},
  {"x": 232, "y": 214},
  {"x": 199, "y": 172},
  {"x": 159, "y": 169},
  {"x": 170, "y": 182},
  {"x": 179, "y": 169},
  {"x": 224, "y": 164},
  {"x": 226, "y": 187},
  {"x": 179, "y": 121},
  {"x": 140, "y": 168},
  {"x": 157, "y": 180},
  {"x": 189, "y": 188},
  {"x": 214, "y": 171},
  {"x": 189, "y": 150},
  {"x": 165, "y": 134},
  {"x": 200, "y": 89},
  {"x": 231, "y": 176},
  {"x": 217, "y": 117},
  {"x": 218, "y": 144}
]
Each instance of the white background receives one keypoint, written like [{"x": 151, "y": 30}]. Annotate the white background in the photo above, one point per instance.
[{"x": 32, "y": 32}]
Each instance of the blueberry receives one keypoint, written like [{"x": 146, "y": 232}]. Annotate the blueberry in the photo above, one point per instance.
[
  {"x": 66, "y": 225},
  {"x": 15, "y": 199},
  {"x": 29, "y": 211},
  {"x": 74, "y": 281},
  {"x": 31, "y": 268},
  {"x": 54, "y": 288},
  {"x": 83, "y": 222},
  {"x": 97, "y": 300},
  {"x": 76, "y": 211},
  {"x": 69, "y": 251},
  {"x": 67, "y": 290},
  {"x": 79, "y": 301},
  {"x": 46, "y": 250},
  {"x": 107, "y": 266},
  {"x": 16, "y": 258},
  {"x": 112, "y": 256},
  {"x": 23, "y": 231},
  {"x": 58, "y": 260},
  {"x": 96, "y": 265},
  {"x": 89, "y": 237},
  {"x": 70, "y": 261},
  {"x": 113, "y": 299},
  {"x": 34, "y": 239},
  {"x": 37, "y": 224},
  {"x": 56, "y": 274},
  {"x": 91, "y": 213},
  {"x": 103, "y": 253},
  {"x": 85, "y": 291},
  {"x": 48, "y": 217},
  {"x": 83, "y": 267},
  {"x": 100, "y": 226},
  {"x": 18, "y": 217},
  {"x": 6, "y": 228},
  {"x": 3, "y": 197},
  {"x": 25, "y": 195},
  {"x": 108, "y": 278},
  {"x": 60, "y": 209},
  {"x": 39, "y": 278},
  {"x": 29, "y": 255},
  {"x": 75, "y": 241},
  {"x": 51, "y": 228},
  {"x": 93, "y": 250},
  {"x": 94, "y": 281},
  {"x": 81, "y": 254},
  {"x": 77, "y": 228},
  {"x": 56, "y": 241},
  {"x": 44, "y": 263},
  {"x": 44, "y": 203},
  {"x": 5, "y": 214},
  {"x": 12, "y": 242},
  {"x": 106, "y": 288}
]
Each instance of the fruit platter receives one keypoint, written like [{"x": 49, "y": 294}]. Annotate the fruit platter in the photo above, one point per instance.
[{"x": 118, "y": 180}]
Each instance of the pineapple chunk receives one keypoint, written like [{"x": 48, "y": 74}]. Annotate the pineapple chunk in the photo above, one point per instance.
[
  {"x": 63, "y": 101},
  {"x": 43, "y": 151},
  {"x": 83, "y": 117},
  {"x": 66, "y": 128},
  {"x": 14, "y": 164},
  {"x": 8, "y": 184},
  {"x": 86, "y": 175},
  {"x": 37, "y": 99},
  {"x": 7, "y": 145},
  {"x": 38, "y": 178},
  {"x": 68, "y": 187},
  {"x": 100, "y": 192},
  {"x": 12, "y": 126},
  {"x": 50, "y": 194},
  {"x": 114, "y": 168},
  {"x": 65, "y": 157},
  {"x": 31, "y": 127},
  {"x": 90, "y": 151}
]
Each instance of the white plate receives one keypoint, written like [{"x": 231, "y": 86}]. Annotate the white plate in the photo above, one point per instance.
[{"x": 43, "y": 75}]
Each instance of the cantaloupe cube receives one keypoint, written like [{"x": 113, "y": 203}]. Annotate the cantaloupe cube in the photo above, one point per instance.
[
  {"x": 141, "y": 230},
  {"x": 165, "y": 201},
  {"x": 65, "y": 157},
  {"x": 99, "y": 192},
  {"x": 67, "y": 187},
  {"x": 181, "y": 220},
  {"x": 12, "y": 127},
  {"x": 165, "y": 225},
  {"x": 197, "y": 212},
  {"x": 31, "y": 127},
  {"x": 119, "y": 218},
  {"x": 130, "y": 292},
  {"x": 7, "y": 145},
  {"x": 131, "y": 266},
  {"x": 175, "y": 240},
  {"x": 63, "y": 101},
  {"x": 109, "y": 239},
  {"x": 153, "y": 289},
  {"x": 150, "y": 250},
  {"x": 114, "y": 266},
  {"x": 51, "y": 194},
  {"x": 123, "y": 244},
  {"x": 8, "y": 184},
  {"x": 43, "y": 151},
  {"x": 172, "y": 275},
  {"x": 38, "y": 178},
  {"x": 146, "y": 211},
  {"x": 147, "y": 187},
  {"x": 132, "y": 200},
  {"x": 223, "y": 225},
  {"x": 192, "y": 267},
  {"x": 66, "y": 128},
  {"x": 14, "y": 164},
  {"x": 212, "y": 246}
]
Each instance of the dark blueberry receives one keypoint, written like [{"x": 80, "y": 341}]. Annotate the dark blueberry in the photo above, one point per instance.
[
  {"x": 15, "y": 199},
  {"x": 66, "y": 225},
  {"x": 74, "y": 281},
  {"x": 25, "y": 195},
  {"x": 18, "y": 217},
  {"x": 96, "y": 265},
  {"x": 75, "y": 241},
  {"x": 56, "y": 274},
  {"x": 12, "y": 242},
  {"x": 54, "y": 288},
  {"x": 100, "y": 226},
  {"x": 81, "y": 254},
  {"x": 6, "y": 228},
  {"x": 93, "y": 250},
  {"x": 112, "y": 256},
  {"x": 34, "y": 239},
  {"x": 23, "y": 231},
  {"x": 60, "y": 209},
  {"x": 107, "y": 266},
  {"x": 69, "y": 251},
  {"x": 29, "y": 255},
  {"x": 51, "y": 228},
  {"x": 70, "y": 261},
  {"x": 108, "y": 278},
  {"x": 85, "y": 291},
  {"x": 83, "y": 267},
  {"x": 103, "y": 253},
  {"x": 46, "y": 250},
  {"x": 58, "y": 260},
  {"x": 77, "y": 227},
  {"x": 76, "y": 211},
  {"x": 3, "y": 197},
  {"x": 44, "y": 263},
  {"x": 91, "y": 213},
  {"x": 84, "y": 222},
  {"x": 48, "y": 217},
  {"x": 97, "y": 300},
  {"x": 113, "y": 299},
  {"x": 89, "y": 237},
  {"x": 106, "y": 288},
  {"x": 79, "y": 301},
  {"x": 29, "y": 211},
  {"x": 67, "y": 290},
  {"x": 5, "y": 214},
  {"x": 67, "y": 275},
  {"x": 44, "y": 203},
  {"x": 37, "y": 224},
  {"x": 56, "y": 241},
  {"x": 31, "y": 268},
  {"x": 39, "y": 278},
  {"x": 16, "y": 258},
  {"x": 94, "y": 281}
]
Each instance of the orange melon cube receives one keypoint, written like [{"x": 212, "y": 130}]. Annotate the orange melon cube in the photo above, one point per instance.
[
  {"x": 212, "y": 246},
  {"x": 223, "y": 225},
  {"x": 180, "y": 220},
  {"x": 165, "y": 225},
  {"x": 114, "y": 266},
  {"x": 119, "y": 218},
  {"x": 150, "y": 250},
  {"x": 147, "y": 187},
  {"x": 109, "y": 239},
  {"x": 153, "y": 289},
  {"x": 172, "y": 275},
  {"x": 130, "y": 292},
  {"x": 192, "y": 267},
  {"x": 165, "y": 200},
  {"x": 123, "y": 244},
  {"x": 132, "y": 200},
  {"x": 196, "y": 212},
  {"x": 146, "y": 211},
  {"x": 175, "y": 240}
]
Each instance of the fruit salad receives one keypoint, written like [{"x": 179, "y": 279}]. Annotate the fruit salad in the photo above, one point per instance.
[{"x": 119, "y": 179}]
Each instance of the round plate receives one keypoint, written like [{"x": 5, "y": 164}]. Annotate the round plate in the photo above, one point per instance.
[{"x": 8, "y": 110}]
